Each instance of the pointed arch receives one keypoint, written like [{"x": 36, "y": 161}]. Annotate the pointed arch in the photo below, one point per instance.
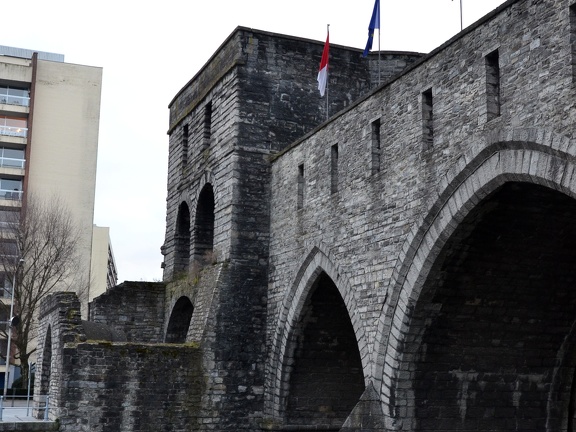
[
  {"x": 323, "y": 374},
  {"x": 182, "y": 239},
  {"x": 204, "y": 225},
  {"x": 548, "y": 162},
  {"x": 288, "y": 314},
  {"x": 179, "y": 321}
]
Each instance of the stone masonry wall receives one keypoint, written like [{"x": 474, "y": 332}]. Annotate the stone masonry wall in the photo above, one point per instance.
[
  {"x": 59, "y": 323},
  {"x": 134, "y": 308},
  {"x": 256, "y": 95},
  {"x": 369, "y": 226},
  {"x": 110, "y": 387},
  {"x": 261, "y": 88}
]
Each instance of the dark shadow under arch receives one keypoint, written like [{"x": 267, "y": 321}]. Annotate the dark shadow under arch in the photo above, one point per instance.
[
  {"x": 493, "y": 315},
  {"x": 204, "y": 226},
  {"x": 179, "y": 321},
  {"x": 182, "y": 240},
  {"x": 323, "y": 369}
]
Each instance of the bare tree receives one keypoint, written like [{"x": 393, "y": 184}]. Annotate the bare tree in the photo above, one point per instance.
[{"x": 39, "y": 252}]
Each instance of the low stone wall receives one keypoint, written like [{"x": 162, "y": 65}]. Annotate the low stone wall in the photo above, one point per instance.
[
  {"x": 133, "y": 308},
  {"x": 110, "y": 387},
  {"x": 103, "y": 386}
]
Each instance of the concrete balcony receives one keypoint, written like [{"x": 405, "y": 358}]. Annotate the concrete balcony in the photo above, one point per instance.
[
  {"x": 11, "y": 171},
  {"x": 11, "y": 139},
  {"x": 8, "y": 109}
]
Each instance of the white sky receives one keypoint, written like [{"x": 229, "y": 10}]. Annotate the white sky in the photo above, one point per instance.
[{"x": 149, "y": 51}]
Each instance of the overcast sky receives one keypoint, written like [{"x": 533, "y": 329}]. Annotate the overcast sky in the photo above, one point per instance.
[{"x": 149, "y": 50}]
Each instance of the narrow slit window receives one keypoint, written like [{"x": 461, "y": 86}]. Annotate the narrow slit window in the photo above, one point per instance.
[
  {"x": 300, "y": 186},
  {"x": 427, "y": 117},
  {"x": 184, "y": 146},
  {"x": 207, "y": 124},
  {"x": 493, "y": 85},
  {"x": 376, "y": 146},
  {"x": 334, "y": 169}
]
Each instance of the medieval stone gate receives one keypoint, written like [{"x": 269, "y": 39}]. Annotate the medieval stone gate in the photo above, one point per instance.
[{"x": 407, "y": 265}]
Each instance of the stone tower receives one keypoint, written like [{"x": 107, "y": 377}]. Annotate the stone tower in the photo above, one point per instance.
[{"x": 256, "y": 95}]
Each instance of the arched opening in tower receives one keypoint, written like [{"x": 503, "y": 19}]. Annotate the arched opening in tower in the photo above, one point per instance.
[
  {"x": 204, "y": 227},
  {"x": 493, "y": 318},
  {"x": 179, "y": 321},
  {"x": 182, "y": 240},
  {"x": 324, "y": 367}
]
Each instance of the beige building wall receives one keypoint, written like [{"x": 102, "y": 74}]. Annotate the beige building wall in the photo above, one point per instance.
[
  {"x": 61, "y": 145},
  {"x": 103, "y": 265},
  {"x": 64, "y": 146}
]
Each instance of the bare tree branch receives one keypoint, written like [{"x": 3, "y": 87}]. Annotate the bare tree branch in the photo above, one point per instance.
[{"x": 43, "y": 234}]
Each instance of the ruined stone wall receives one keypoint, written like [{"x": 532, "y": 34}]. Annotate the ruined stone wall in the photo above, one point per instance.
[
  {"x": 133, "y": 308},
  {"x": 59, "y": 324},
  {"x": 108, "y": 387}
]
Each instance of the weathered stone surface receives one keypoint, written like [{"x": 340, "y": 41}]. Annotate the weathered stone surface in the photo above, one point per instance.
[
  {"x": 135, "y": 309},
  {"x": 367, "y": 415}
]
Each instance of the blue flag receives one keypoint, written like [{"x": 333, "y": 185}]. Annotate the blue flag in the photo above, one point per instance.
[{"x": 374, "y": 24}]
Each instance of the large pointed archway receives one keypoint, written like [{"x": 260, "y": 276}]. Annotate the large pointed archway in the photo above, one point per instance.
[
  {"x": 323, "y": 370},
  {"x": 484, "y": 319},
  {"x": 494, "y": 312}
]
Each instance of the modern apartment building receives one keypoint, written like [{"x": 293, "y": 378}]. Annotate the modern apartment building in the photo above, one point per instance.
[
  {"x": 103, "y": 265},
  {"x": 49, "y": 120}
]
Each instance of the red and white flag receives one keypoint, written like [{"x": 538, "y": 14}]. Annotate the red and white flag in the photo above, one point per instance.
[{"x": 323, "y": 72}]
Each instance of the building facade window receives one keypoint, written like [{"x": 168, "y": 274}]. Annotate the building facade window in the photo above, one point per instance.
[
  {"x": 10, "y": 189},
  {"x": 427, "y": 117},
  {"x": 11, "y": 158},
  {"x": 13, "y": 126},
  {"x": 5, "y": 285},
  {"x": 14, "y": 95},
  {"x": 492, "y": 61},
  {"x": 9, "y": 219}
]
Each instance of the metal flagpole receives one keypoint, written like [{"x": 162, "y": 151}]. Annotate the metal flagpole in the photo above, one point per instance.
[
  {"x": 328, "y": 74},
  {"x": 461, "y": 25},
  {"x": 379, "y": 74}
]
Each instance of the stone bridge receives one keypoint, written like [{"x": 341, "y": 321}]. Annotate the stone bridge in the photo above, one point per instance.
[{"x": 409, "y": 264}]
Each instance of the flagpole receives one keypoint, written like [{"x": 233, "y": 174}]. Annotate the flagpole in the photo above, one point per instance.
[
  {"x": 379, "y": 74},
  {"x": 327, "y": 79},
  {"x": 461, "y": 24}
]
